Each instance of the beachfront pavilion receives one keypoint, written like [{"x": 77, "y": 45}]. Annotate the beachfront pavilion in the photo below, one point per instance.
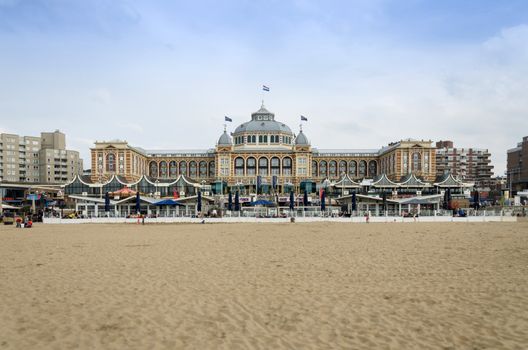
[
  {"x": 378, "y": 206},
  {"x": 125, "y": 207},
  {"x": 88, "y": 195}
]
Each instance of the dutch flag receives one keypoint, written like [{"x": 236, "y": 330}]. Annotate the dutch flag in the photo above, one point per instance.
[
  {"x": 227, "y": 119},
  {"x": 304, "y": 118},
  {"x": 265, "y": 88}
]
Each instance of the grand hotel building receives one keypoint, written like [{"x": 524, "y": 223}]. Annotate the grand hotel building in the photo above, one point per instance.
[{"x": 266, "y": 151}]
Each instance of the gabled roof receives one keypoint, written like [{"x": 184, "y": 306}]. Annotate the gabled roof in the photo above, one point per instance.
[
  {"x": 383, "y": 181},
  {"x": 448, "y": 180},
  {"x": 410, "y": 180},
  {"x": 346, "y": 182}
]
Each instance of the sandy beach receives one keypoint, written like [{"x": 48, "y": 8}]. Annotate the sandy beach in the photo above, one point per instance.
[{"x": 265, "y": 286}]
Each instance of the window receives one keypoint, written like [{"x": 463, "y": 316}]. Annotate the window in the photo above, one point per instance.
[
  {"x": 372, "y": 169},
  {"x": 287, "y": 166},
  {"x": 239, "y": 166},
  {"x": 173, "y": 169},
  {"x": 275, "y": 166},
  {"x": 332, "y": 167},
  {"x": 212, "y": 169},
  {"x": 265, "y": 138},
  {"x": 163, "y": 169},
  {"x": 253, "y": 139},
  {"x": 314, "y": 168},
  {"x": 251, "y": 166},
  {"x": 263, "y": 166},
  {"x": 362, "y": 168},
  {"x": 323, "y": 169},
  {"x": 352, "y": 168},
  {"x": 153, "y": 169},
  {"x": 183, "y": 168},
  {"x": 203, "y": 169},
  {"x": 110, "y": 162},
  {"x": 417, "y": 164},
  {"x": 405, "y": 163},
  {"x": 260, "y": 139},
  {"x": 342, "y": 167},
  {"x": 192, "y": 169}
]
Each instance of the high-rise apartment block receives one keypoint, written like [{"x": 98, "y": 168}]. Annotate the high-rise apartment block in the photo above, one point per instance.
[
  {"x": 469, "y": 164},
  {"x": 43, "y": 159},
  {"x": 517, "y": 166}
]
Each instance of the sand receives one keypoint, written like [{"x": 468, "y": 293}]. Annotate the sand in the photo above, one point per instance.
[{"x": 265, "y": 286}]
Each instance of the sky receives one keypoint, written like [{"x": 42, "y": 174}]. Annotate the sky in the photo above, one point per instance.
[{"x": 163, "y": 74}]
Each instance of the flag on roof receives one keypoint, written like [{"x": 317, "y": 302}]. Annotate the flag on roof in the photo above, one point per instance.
[
  {"x": 227, "y": 119},
  {"x": 265, "y": 88},
  {"x": 304, "y": 118}
]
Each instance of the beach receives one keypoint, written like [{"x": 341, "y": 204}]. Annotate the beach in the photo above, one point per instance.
[{"x": 265, "y": 286}]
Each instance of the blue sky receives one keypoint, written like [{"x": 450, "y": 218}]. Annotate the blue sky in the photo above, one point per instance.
[{"x": 162, "y": 74}]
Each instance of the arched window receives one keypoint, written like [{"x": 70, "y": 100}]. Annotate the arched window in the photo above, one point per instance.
[
  {"x": 286, "y": 166},
  {"x": 362, "y": 168},
  {"x": 163, "y": 169},
  {"x": 352, "y": 168},
  {"x": 263, "y": 166},
  {"x": 212, "y": 172},
  {"x": 251, "y": 166},
  {"x": 203, "y": 169},
  {"x": 342, "y": 167},
  {"x": 275, "y": 166},
  {"x": 192, "y": 169},
  {"x": 253, "y": 139},
  {"x": 239, "y": 166},
  {"x": 416, "y": 161},
  {"x": 372, "y": 168},
  {"x": 183, "y": 168},
  {"x": 332, "y": 168},
  {"x": 323, "y": 170},
  {"x": 314, "y": 168},
  {"x": 173, "y": 169},
  {"x": 153, "y": 169},
  {"x": 110, "y": 162}
]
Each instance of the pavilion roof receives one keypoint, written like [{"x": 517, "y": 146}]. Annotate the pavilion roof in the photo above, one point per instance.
[
  {"x": 383, "y": 181},
  {"x": 346, "y": 182},
  {"x": 410, "y": 180}
]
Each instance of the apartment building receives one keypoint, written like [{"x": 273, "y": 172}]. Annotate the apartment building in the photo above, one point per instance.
[
  {"x": 468, "y": 164},
  {"x": 31, "y": 159},
  {"x": 517, "y": 166}
]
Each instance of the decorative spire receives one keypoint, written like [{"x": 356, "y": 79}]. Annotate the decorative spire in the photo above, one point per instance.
[{"x": 262, "y": 106}]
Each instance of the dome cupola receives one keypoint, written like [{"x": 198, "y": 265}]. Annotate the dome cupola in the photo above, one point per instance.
[{"x": 225, "y": 140}]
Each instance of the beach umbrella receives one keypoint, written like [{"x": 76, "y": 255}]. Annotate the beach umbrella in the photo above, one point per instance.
[
  {"x": 354, "y": 201},
  {"x": 448, "y": 198},
  {"x": 107, "y": 202},
  {"x": 138, "y": 202},
  {"x": 305, "y": 199},
  {"x": 323, "y": 204},
  {"x": 237, "y": 202},
  {"x": 384, "y": 203},
  {"x": 230, "y": 202},
  {"x": 476, "y": 200},
  {"x": 291, "y": 200},
  {"x": 199, "y": 201}
]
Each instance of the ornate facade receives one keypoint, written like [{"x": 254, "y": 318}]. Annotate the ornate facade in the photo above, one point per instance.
[{"x": 264, "y": 153}]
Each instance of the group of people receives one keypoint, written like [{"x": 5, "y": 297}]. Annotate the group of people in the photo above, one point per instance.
[{"x": 26, "y": 223}]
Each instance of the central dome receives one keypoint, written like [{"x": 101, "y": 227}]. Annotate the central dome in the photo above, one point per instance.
[{"x": 263, "y": 121}]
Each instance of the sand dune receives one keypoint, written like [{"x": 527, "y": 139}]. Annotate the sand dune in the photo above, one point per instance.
[{"x": 258, "y": 286}]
